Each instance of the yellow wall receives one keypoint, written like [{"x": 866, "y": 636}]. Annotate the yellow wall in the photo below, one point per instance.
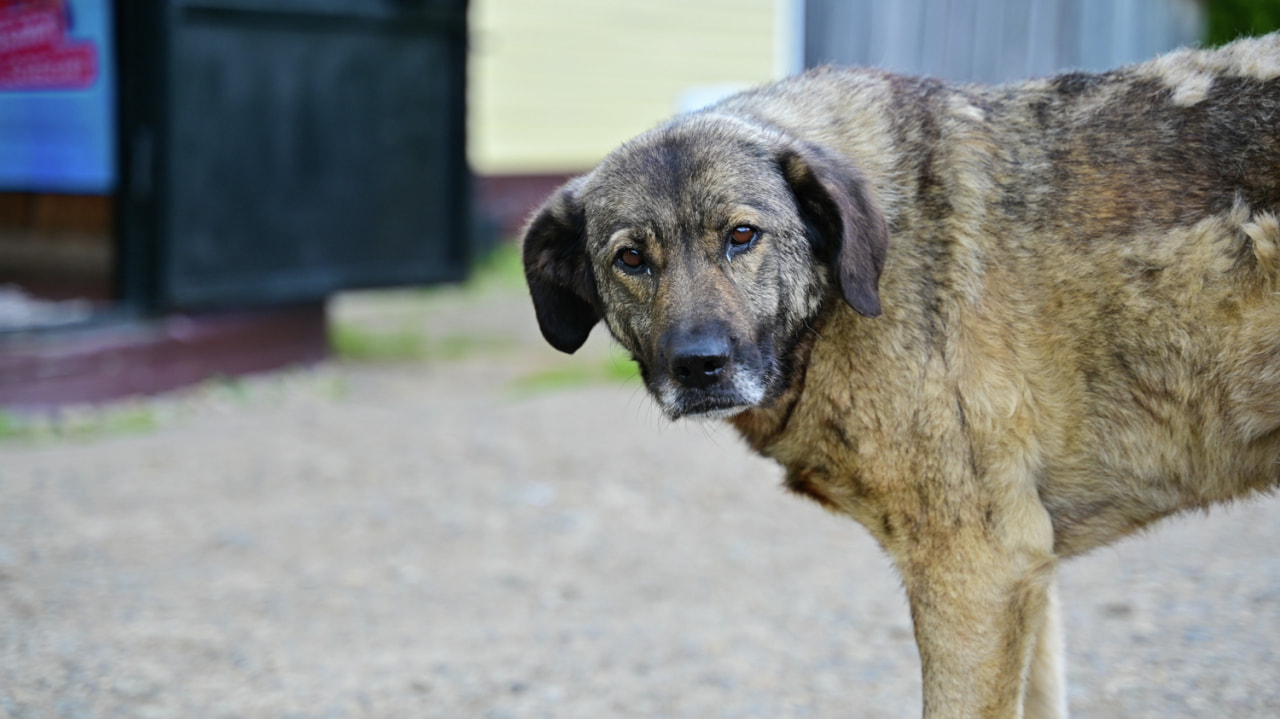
[{"x": 555, "y": 84}]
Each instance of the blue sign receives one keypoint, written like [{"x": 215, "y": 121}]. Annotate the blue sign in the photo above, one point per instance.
[{"x": 57, "y": 96}]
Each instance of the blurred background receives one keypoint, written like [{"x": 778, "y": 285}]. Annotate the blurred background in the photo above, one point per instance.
[
  {"x": 421, "y": 509},
  {"x": 220, "y": 169}
]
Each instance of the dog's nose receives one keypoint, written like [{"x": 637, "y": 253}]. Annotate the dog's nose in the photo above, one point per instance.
[{"x": 698, "y": 359}]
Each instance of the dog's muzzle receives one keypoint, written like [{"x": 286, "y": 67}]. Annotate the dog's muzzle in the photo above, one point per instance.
[{"x": 706, "y": 373}]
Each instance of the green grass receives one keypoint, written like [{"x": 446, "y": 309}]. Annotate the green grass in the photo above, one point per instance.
[
  {"x": 615, "y": 369},
  {"x": 454, "y": 347},
  {"x": 501, "y": 269},
  {"x": 142, "y": 415},
  {"x": 1230, "y": 19},
  {"x": 356, "y": 343},
  {"x": 78, "y": 425},
  {"x": 10, "y": 425},
  {"x": 407, "y": 344}
]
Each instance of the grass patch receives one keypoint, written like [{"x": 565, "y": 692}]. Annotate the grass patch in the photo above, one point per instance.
[
  {"x": 615, "y": 369},
  {"x": 142, "y": 415},
  {"x": 78, "y": 424},
  {"x": 360, "y": 344},
  {"x": 501, "y": 269},
  {"x": 621, "y": 369},
  {"x": 396, "y": 326},
  {"x": 455, "y": 347},
  {"x": 10, "y": 426},
  {"x": 356, "y": 343},
  {"x": 497, "y": 271}
]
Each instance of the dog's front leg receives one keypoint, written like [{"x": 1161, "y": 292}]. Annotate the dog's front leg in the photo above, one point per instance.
[
  {"x": 1047, "y": 683},
  {"x": 980, "y": 590}
]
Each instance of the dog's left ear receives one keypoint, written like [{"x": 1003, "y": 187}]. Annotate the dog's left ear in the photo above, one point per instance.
[
  {"x": 852, "y": 235},
  {"x": 558, "y": 270}
]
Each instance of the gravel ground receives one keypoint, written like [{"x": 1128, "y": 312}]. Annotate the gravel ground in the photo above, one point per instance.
[{"x": 445, "y": 538}]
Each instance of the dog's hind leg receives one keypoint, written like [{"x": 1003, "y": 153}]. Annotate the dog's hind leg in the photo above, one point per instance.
[{"x": 1047, "y": 682}]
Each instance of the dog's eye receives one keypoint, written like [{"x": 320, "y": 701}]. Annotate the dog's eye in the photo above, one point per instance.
[
  {"x": 742, "y": 235},
  {"x": 630, "y": 260},
  {"x": 741, "y": 239}
]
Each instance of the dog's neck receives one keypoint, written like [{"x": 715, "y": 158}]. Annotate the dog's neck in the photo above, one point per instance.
[{"x": 762, "y": 426}]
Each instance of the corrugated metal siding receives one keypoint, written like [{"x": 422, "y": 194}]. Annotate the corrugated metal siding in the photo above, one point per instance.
[
  {"x": 555, "y": 84},
  {"x": 996, "y": 40}
]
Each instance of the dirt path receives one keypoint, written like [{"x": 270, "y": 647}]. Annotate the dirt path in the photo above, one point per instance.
[{"x": 455, "y": 538}]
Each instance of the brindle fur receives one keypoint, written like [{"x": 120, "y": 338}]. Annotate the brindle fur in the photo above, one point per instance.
[{"x": 997, "y": 326}]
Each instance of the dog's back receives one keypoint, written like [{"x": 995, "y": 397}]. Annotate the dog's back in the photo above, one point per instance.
[
  {"x": 1159, "y": 186},
  {"x": 1102, "y": 255}
]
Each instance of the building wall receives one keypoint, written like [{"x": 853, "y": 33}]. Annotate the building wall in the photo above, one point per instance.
[
  {"x": 556, "y": 84},
  {"x": 996, "y": 40}
]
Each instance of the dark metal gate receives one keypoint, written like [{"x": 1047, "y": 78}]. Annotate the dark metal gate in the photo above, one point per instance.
[{"x": 274, "y": 151}]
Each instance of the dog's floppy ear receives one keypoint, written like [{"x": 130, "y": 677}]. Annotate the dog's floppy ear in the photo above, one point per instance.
[
  {"x": 851, "y": 233},
  {"x": 558, "y": 270}
]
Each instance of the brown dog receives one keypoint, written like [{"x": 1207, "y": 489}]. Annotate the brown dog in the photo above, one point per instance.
[{"x": 997, "y": 326}]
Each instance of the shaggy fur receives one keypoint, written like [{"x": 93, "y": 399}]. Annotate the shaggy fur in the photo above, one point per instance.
[{"x": 998, "y": 326}]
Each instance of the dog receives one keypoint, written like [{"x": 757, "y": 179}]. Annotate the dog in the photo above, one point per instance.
[{"x": 998, "y": 326}]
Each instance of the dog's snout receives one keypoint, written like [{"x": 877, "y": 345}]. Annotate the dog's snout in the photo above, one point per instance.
[
  {"x": 698, "y": 359},
  {"x": 698, "y": 370}
]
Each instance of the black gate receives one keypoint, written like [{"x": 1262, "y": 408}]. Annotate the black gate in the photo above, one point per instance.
[{"x": 275, "y": 151}]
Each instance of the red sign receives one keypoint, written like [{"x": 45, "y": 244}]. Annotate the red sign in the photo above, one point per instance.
[{"x": 35, "y": 52}]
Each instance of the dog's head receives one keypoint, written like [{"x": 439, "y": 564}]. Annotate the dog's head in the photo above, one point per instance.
[{"x": 705, "y": 246}]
